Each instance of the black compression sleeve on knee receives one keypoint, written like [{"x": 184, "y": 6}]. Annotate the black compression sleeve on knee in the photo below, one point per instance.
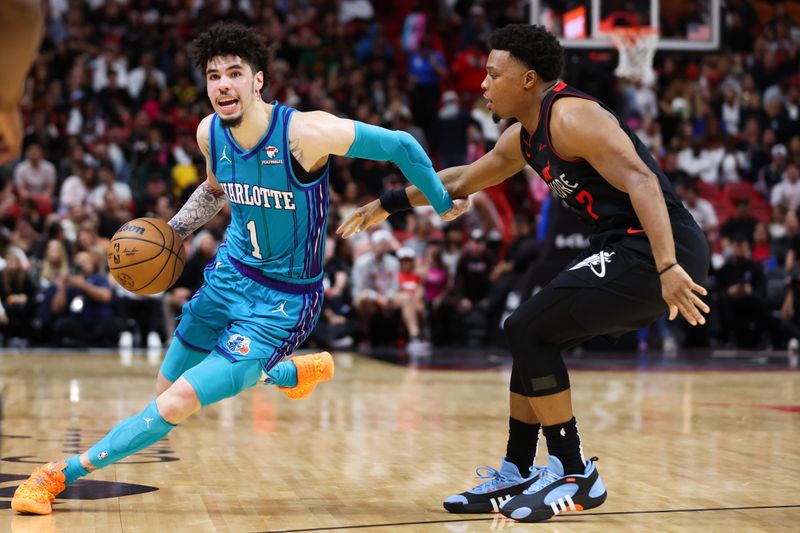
[
  {"x": 551, "y": 383},
  {"x": 540, "y": 365},
  {"x": 516, "y": 382}
]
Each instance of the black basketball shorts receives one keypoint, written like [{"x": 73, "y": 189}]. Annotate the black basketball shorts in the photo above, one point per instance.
[{"x": 610, "y": 291}]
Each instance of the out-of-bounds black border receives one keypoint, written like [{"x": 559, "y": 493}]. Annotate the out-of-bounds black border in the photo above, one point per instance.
[{"x": 494, "y": 517}]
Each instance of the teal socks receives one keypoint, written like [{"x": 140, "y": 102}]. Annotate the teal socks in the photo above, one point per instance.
[
  {"x": 130, "y": 436},
  {"x": 147, "y": 428},
  {"x": 74, "y": 469},
  {"x": 284, "y": 374}
]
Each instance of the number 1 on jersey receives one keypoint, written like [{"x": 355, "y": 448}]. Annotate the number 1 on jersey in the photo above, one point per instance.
[{"x": 251, "y": 226}]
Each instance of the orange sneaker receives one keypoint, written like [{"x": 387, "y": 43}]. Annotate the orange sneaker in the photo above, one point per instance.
[
  {"x": 37, "y": 493},
  {"x": 311, "y": 369}
]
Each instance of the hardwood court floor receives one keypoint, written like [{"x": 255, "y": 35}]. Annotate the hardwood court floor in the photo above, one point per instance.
[{"x": 381, "y": 445}]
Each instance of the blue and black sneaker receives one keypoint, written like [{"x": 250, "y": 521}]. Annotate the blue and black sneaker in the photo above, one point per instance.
[
  {"x": 554, "y": 493},
  {"x": 489, "y": 495}
]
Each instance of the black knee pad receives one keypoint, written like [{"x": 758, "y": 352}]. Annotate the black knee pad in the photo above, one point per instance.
[
  {"x": 515, "y": 385},
  {"x": 538, "y": 364}
]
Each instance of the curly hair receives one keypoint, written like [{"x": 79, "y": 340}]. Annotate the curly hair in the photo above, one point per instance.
[
  {"x": 231, "y": 38},
  {"x": 532, "y": 45}
]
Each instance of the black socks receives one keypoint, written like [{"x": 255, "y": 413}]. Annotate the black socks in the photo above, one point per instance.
[
  {"x": 521, "y": 447},
  {"x": 564, "y": 442}
]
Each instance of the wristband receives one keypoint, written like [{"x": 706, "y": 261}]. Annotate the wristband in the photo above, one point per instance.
[
  {"x": 667, "y": 268},
  {"x": 395, "y": 200}
]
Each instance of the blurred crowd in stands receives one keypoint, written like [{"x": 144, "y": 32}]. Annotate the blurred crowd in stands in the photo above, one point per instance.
[{"x": 112, "y": 103}]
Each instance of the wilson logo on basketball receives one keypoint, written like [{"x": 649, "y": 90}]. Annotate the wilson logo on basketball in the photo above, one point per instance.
[
  {"x": 272, "y": 152},
  {"x": 132, "y": 228}
]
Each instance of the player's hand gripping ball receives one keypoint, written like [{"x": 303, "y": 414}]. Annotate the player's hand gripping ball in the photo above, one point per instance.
[{"x": 146, "y": 256}]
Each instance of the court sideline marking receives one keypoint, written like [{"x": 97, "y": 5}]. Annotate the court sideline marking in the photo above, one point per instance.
[{"x": 494, "y": 517}]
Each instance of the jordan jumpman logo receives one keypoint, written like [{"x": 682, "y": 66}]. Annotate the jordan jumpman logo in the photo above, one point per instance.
[
  {"x": 224, "y": 156},
  {"x": 280, "y": 309}
]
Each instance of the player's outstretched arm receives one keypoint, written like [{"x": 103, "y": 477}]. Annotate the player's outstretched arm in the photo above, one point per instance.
[
  {"x": 583, "y": 129},
  {"x": 317, "y": 134},
  {"x": 21, "y": 28},
  {"x": 497, "y": 165},
  {"x": 206, "y": 201}
]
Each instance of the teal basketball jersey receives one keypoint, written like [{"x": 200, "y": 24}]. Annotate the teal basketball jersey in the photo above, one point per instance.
[{"x": 277, "y": 222}]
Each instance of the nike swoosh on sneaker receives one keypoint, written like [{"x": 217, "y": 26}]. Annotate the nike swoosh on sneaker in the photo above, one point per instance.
[{"x": 633, "y": 231}]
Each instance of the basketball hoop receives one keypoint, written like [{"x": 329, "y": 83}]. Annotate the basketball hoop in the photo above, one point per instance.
[{"x": 637, "y": 47}]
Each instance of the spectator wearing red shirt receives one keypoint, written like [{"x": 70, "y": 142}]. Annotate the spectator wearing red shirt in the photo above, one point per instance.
[
  {"x": 468, "y": 71},
  {"x": 762, "y": 252}
]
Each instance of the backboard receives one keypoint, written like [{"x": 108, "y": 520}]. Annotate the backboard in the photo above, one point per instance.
[{"x": 682, "y": 24}]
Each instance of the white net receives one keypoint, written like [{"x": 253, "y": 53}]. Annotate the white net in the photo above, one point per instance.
[{"x": 637, "y": 47}]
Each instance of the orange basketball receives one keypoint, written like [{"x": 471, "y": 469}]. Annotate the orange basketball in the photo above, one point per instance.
[{"x": 146, "y": 256}]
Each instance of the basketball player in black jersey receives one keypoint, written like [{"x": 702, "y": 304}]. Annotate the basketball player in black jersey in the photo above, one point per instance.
[{"x": 645, "y": 257}]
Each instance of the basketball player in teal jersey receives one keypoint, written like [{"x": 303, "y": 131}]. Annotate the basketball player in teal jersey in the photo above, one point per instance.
[{"x": 263, "y": 292}]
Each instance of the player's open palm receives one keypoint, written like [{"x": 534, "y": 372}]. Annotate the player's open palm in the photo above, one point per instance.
[
  {"x": 362, "y": 218},
  {"x": 681, "y": 294}
]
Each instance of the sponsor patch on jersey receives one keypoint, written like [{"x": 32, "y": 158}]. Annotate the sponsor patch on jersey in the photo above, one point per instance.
[{"x": 272, "y": 152}]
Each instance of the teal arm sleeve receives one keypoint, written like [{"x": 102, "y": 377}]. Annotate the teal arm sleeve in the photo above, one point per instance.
[{"x": 399, "y": 147}]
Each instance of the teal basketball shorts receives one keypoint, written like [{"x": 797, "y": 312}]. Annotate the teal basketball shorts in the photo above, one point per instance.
[{"x": 242, "y": 315}]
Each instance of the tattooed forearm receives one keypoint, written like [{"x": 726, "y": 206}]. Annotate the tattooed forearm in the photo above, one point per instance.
[{"x": 202, "y": 205}]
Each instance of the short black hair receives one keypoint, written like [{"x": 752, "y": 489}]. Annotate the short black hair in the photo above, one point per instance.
[
  {"x": 533, "y": 45},
  {"x": 231, "y": 38}
]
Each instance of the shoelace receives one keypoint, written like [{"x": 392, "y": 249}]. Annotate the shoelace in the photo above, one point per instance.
[
  {"x": 546, "y": 476},
  {"x": 41, "y": 477},
  {"x": 487, "y": 472},
  {"x": 495, "y": 477}
]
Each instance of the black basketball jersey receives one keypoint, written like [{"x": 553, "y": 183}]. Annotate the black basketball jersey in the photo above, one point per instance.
[{"x": 598, "y": 203}]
